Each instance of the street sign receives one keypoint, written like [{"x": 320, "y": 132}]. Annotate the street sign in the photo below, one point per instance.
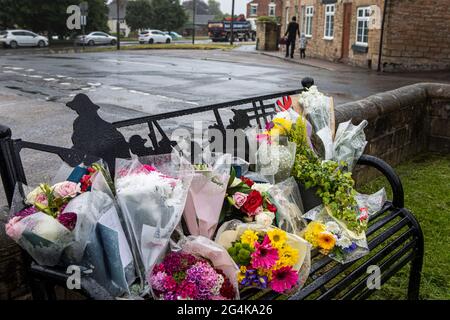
[
  {"x": 83, "y": 20},
  {"x": 84, "y": 8}
]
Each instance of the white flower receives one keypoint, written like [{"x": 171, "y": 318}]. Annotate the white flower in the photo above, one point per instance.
[
  {"x": 31, "y": 197},
  {"x": 264, "y": 218},
  {"x": 333, "y": 227},
  {"x": 261, "y": 187},
  {"x": 343, "y": 242}
]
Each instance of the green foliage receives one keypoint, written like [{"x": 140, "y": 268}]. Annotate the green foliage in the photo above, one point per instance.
[
  {"x": 49, "y": 16},
  {"x": 138, "y": 14},
  {"x": 334, "y": 186},
  {"x": 240, "y": 252},
  {"x": 425, "y": 179},
  {"x": 168, "y": 15}
]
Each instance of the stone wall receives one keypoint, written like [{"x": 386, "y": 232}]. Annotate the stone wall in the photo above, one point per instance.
[
  {"x": 267, "y": 34},
  {"x": 417, "y": 35},
  {"x": 402, "y": 122}
]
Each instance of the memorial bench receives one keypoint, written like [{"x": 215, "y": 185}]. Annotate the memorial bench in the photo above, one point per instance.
[{"x": 394, "y": 235}]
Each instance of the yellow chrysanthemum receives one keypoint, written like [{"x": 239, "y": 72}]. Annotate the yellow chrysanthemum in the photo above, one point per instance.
[
  {"x": 312, "y": 232},
  {"x": 282, "y": 125},
  {"x": 249, "y": 237},
  {"x": 241, "y": 274},
  {"x": 326, "y": 241},
  {"x": 265, "y": 272},
  {"x": 288, "y": 256},
  {"x": 277, "y": 237}
]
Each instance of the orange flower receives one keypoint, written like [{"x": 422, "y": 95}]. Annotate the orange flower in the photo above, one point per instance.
[{"x": 326, "y": 240}]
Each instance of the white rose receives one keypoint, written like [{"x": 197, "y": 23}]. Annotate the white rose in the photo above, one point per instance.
[
  {"x": 264, "y": 218},
  {"x": 261, "y": 187},
  {"x": 343, "y": 242},
  {"x": 333, "y": 227},
  {"x": 31, "y": 197}
]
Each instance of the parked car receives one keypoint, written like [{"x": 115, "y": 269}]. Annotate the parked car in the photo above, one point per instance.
[
  {"x": 173, "y": 35},
  {"x": 22, "y": 38},
  {"x": 154, "y": 36},
  {"x": 95, "y": 38}
]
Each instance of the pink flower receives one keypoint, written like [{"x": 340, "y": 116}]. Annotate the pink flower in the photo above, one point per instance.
[
  {"x": 14, "y": 229},
  {"x": 364, "y": 214},
  {"x": 283, "y": 279},
  {"x": 68, "y": 220},
  {"x": 66, "y": 189},
  {"x": 265, "y": 256},
  {"x": 170, "y": 284},
  {"x": 239, "y": 199},
  {"x": 42, "y": 199},
  {"x": 262, "y": 137}
]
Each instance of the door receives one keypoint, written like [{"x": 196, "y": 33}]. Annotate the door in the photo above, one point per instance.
[
  {"x": 20, "y": 38},
  {"x": 346, "y": 30}
]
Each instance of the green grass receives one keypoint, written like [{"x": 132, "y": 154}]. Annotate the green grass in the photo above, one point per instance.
[{"x": 426, "y": 182}]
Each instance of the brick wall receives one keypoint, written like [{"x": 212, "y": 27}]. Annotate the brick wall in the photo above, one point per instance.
[
  {"x": 402, "y": 122},
  {"x": 331, "y": 49},
  {"x": 263, "y": 8},
  {"x": 417, "y": 35}
]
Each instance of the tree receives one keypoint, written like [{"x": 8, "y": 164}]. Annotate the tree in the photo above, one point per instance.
[
  {"x": 168, "y": 15},
  {"x": 139, "y": 14},
  {"x": 214, "y": 9},
  {"x": 200, "y": 7},
  {"x": 49, "y": 16}
]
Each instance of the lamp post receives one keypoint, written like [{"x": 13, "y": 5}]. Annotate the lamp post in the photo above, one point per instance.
[
  {"x": 118, "y": 24},
  {"x": 193, "y": 21},
  {"x": 231, "y": 26}
]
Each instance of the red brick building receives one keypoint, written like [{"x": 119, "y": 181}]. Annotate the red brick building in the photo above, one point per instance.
[
  {"x": 414, "y": 34},
  {"x": 258, "y": 8}
]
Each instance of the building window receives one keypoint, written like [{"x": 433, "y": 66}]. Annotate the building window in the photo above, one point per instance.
[
  {"x": 362, "y": 26},
  {"x": 329, "y": 21},
  {"x": 272, "y": 10},
  {"x": 253, "y": 8},
  {"x": 309, "y": 20}
]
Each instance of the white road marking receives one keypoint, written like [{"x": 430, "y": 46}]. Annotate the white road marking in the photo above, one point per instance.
[
  {"x": 94, "y": 84},
  {"x": 65, "y": 83},
  {"x": 49, "y": 79}
]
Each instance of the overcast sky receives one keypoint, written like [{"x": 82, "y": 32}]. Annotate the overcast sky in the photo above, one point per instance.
[{"x": 240, "y": 6}]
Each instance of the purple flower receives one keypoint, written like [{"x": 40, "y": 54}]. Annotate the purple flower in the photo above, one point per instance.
[
  {"x": 68, "y": 220},
  {"x": 253, "y": 279},
  {"x": 352, "y": 247},
  {"x": 26, "y": 212}
]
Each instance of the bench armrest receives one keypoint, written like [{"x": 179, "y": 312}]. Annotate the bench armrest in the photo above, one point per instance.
[{"x": 390, "y": 174}]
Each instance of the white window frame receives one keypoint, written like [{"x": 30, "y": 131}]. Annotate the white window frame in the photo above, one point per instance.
[
  {"x": 364, "y": 19},
  {"x": 309, "y": 15},
  {"x": 272, "y": 6},
  {"x": 328, "y": 32},
  {"x": 253, "y": 6}
]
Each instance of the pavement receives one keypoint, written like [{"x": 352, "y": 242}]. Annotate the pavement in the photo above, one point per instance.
[{"x": 35, "y": 87}]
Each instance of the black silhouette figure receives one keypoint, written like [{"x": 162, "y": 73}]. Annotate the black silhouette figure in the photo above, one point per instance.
[
  {"x": 240, "y": 120},
  {"x": 137, "y": 146},
  {"x": 95, "y": 136}
]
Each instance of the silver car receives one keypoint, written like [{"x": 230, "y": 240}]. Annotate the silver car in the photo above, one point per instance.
[
  {"x": 22, "y": 38},
  {"x": 95, "y": 38}
]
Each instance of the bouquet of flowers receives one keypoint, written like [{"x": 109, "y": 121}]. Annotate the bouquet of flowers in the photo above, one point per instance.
[
  {"x": 152, "y": 193},
  {"x": 268, "y": 258},
  {"x": 332, "y": 237},
  {"x": 248, "y": 201},
  {"x": 76, "y": 222},
  {"x": 206, "y": 194},
  {"x": 201, "y": 270}
]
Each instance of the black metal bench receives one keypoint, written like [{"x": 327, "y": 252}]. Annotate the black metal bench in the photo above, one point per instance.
[{"x": 394, "y": 235}]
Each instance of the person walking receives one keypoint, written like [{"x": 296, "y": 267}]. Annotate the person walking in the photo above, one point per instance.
[
  {"x": 303, "y": 43},
  {"x": 291, "y": 33}
]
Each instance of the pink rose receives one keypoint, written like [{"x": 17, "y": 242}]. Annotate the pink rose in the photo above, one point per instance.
[
  {"x": 42, "y": 199},
  {"x": 239, "y": 199},
  {"x": 66, "y": 189},
  {"x": 364, "y": 214},
  {"x": 14, "y": 229}
]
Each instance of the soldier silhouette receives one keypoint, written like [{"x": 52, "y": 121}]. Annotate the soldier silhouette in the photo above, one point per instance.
[{"x": 95, "y": 136}]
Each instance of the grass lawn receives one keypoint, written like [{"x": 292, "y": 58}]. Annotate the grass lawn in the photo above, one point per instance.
[{"x": 426, "y": 182}]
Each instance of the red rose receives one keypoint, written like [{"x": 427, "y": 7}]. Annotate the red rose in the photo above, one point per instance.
[
  {"x": 247, "y": 181},
  {"x": 254, "y": 201},
  {"x": 271, "y": 208}
]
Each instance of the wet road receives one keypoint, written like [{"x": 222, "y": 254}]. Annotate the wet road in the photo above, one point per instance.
[{"x": 35, "y": 87}]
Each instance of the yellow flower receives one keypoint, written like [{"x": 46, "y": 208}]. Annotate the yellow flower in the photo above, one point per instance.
[
  {"x": 288, "y": 256},
  {"x": 312, "y": 232},
  {"x": 326, "y": 241},
  {"x": 249, "y": 237},
  {"x": 277, "y": 237},
  {"x": 241, "y": 274},
  {"x": 282, "y": 125},
  {"x": 243, "y": 269},
  {"x": 265, "y": 272}
]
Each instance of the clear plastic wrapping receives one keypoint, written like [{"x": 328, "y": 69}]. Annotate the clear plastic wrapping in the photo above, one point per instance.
[{"x": 349, "y": 143}]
